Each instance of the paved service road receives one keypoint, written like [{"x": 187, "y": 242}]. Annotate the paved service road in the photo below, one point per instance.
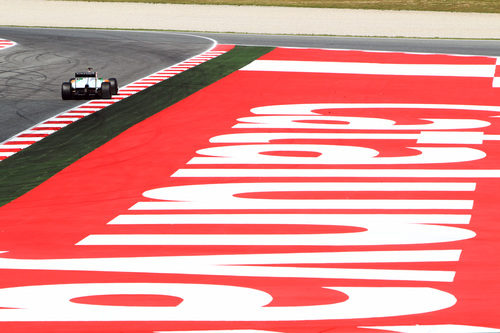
[{"x": 31, "y": 73}]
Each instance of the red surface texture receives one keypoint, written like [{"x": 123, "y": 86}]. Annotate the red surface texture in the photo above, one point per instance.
[{"x": 270, "y": 261}]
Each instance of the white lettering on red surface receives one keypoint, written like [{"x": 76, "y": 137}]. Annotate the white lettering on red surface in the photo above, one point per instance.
[{"x": 210, "y": 302}]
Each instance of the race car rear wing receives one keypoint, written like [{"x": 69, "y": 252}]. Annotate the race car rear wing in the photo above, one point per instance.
[{"x": 85, "y": 74}]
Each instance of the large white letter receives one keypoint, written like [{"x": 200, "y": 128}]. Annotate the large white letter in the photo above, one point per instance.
[
  {"x": 354, "y": 123},
  {"x": 329, "y": 155},
  {"x": 204, "y": 302},
  {"x": 309, "y": 109},
  {"x": 225, "y": 196},
  {"x": 260, "y": 265}
]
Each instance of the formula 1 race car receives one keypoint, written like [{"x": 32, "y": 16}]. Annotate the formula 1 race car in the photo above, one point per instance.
[{"x": 88, "y": 85}]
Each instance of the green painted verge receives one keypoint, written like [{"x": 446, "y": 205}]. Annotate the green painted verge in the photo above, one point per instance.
[{"x": 30, "y": 167}]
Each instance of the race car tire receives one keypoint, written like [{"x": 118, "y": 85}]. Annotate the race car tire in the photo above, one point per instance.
[
  {"x": 114, "y": 86},
  {"x": 106, "y": 90},
  {"x": 66, "y": 90}
]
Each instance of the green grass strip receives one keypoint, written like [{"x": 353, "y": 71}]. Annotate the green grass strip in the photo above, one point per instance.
[{"x": 30, "y": 167}]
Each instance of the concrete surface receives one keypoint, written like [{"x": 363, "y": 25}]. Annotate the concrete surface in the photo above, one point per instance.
[{"x": 249, "y": 19}]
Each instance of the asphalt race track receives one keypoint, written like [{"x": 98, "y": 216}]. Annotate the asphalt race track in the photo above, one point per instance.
[
  {"x": 449, "y": 46},
  {"x": 33, "y": 70}
]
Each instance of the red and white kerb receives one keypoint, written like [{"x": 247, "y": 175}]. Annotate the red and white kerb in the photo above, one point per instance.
[{"x": 49, "y": 126}]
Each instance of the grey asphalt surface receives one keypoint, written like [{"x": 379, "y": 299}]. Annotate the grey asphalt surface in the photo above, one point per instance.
[
  {"x": 449, "y": 46},
  {"x": 31, "y": 73}
]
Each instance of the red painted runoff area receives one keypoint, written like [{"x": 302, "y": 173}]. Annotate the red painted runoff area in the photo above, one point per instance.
[
  {"x": 310, "y": 191},
  {"x": 374, "y": 57}
]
